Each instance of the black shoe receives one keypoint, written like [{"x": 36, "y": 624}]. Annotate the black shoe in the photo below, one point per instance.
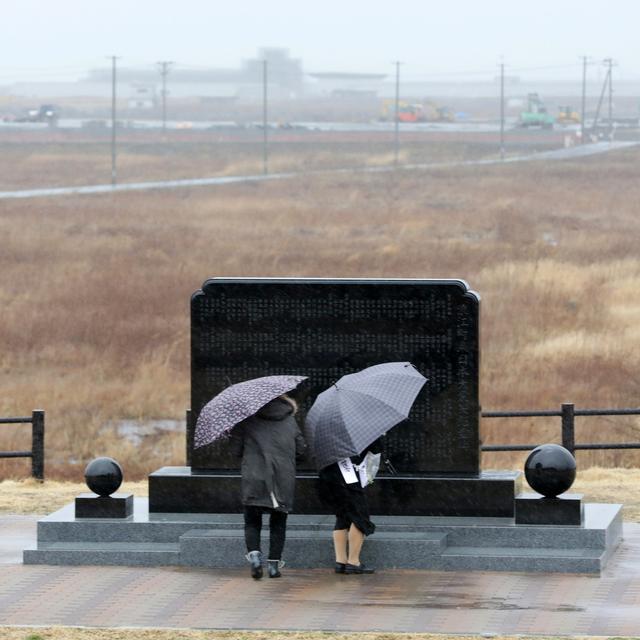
[
  {"x": 273, "y": 567},
  {"x": 255, "y": 560},
  {"x": 339, "y": 568},
  {"x": 357, "y": 569}
]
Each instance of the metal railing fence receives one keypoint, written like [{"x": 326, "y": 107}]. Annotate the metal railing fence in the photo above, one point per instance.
[
  {"x": 37, "y": 442},
  {"x": 567, "y": 413}
]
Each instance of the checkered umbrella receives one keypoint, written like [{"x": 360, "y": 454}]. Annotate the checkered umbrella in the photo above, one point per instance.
[
  {"x": 359, "y": 408},
  {"x": 237, "y": 402}
]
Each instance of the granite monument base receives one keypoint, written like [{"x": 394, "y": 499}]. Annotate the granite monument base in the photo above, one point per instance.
[
  {"x": 90, "y": 505},
  {"x": 489, "y": 494},
  {"x": 532, "y": 508},
  {"x": 401, "y": 542}
]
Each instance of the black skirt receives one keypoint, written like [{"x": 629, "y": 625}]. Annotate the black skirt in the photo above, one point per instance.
[{"x": 347, "y": 501}]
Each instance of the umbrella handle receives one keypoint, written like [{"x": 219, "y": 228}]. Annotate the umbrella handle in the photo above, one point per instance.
[{"x": 390, "y": 467}]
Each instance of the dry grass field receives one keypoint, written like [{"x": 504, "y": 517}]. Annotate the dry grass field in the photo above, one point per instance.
[
  {"x": 94, "y": 292},
  {"x": 72, "y": 158},
  {"x": 69, "y": 633}
]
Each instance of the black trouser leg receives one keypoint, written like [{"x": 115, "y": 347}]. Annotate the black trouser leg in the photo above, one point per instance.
[
  {"x": 252, "y": 527},
  {"x": 277, "y": 533}
]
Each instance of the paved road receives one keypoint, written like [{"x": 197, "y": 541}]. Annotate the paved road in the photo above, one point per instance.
[
  {"x": 226, "y": 125},
  {"x": 557, "y": 154},
  {"x": 403, "y": 601}
]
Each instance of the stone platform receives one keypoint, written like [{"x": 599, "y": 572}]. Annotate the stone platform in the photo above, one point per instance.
[
  {"x": 487, "y": 494},
  {"x": 403, "y": 542}
]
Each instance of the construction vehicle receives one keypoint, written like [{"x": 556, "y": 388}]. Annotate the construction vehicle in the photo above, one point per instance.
[
  {"x": 436, "y": 113},
  {"x": 536, "y": 114},
  {"x": 568, "y": 115},
  {"x": 415, "y": 112},
  {"x": 406, "y": 112},
  {"x": 44, "y": 113}
]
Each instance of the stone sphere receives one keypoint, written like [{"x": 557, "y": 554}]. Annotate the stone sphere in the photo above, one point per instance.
[
  {"x": 103, "y": 476},
  {"x": 550, "y": 470}
]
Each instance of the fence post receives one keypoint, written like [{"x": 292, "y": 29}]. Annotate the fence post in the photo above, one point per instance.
[
  {"x": 37, "y": 444},
  {"x": 189, "y": 438},
  {"x": 568, "y": 427}
]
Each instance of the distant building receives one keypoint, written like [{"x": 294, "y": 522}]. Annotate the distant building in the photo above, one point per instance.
[
  {"x": 284, "y": 74},
  {"x": 333, "y": 84},
  {"x": 144, "y": 96},
  {"x": 140, "y": 87}
]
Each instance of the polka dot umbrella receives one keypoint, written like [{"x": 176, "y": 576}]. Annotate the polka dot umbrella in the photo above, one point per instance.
[{"x": 238, "y": 402}]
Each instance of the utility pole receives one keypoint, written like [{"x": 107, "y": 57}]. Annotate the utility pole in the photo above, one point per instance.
[
  {"x": 609, "y": 63},
  {"x": 501, "y": 110},
  {"x": 583, "y": 112},
  {"x": 265, "y": 120},
  {"x": 113, "y": 121},
  {"x": 396, "y": 154},
  {"x": 605, "y": 84},
  {"x": 164, "y": 72}
]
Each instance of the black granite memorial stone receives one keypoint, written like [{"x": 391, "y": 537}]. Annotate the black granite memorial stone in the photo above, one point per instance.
[{"x": 324, "y": 329}]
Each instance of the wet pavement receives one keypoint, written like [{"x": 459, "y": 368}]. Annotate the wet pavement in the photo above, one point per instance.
[{"x": 403, "y": 601}]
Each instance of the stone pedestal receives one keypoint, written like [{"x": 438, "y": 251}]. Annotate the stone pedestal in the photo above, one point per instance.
[
  {"x": 489, "y": 494},
  {"x": 400, "y": 542},
  {"x": 90, "y": 505},
  {"x": 532, "y": 508}
]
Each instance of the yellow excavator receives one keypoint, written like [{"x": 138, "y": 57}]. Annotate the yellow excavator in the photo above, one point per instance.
[
  {"x": 568, "y": 115},
  {"x": 415, "y": 112}
]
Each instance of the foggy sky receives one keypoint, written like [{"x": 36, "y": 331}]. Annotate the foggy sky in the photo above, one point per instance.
[{"x": 46, "y": 40}]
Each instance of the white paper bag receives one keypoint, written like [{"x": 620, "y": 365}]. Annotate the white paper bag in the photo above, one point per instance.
[{"x": 368, "y": 469}]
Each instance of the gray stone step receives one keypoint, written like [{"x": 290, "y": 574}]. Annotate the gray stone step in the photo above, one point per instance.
[
  {"x": 104, "y": 553},
  {"x": 601, "y": 526},
  {"x": 412, "y": 542},
  {"x": 307, "y": 548},
  {"x": 600, "y": 521},
  {"x": 559, "y": 560},
  {"x": 521, "y": 536}
]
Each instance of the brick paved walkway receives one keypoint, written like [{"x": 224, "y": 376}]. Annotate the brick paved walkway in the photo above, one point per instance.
[{"x": 410, "y": 601}]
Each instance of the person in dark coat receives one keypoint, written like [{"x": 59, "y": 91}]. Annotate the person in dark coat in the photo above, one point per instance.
[
  {"x": 349, "y": 504},
  {"x": 269, "y": 443}
]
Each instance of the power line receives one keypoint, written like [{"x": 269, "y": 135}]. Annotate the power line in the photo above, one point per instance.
[
  {"x": 487, "y": 71},
  {"x": 551, "y": 67}
]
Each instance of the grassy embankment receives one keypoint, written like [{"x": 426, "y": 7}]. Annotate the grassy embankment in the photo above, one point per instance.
[{"x": 94, "y": 292}]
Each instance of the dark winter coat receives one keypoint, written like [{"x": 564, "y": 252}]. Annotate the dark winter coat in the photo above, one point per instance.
[{"x": 269, "y": 443}]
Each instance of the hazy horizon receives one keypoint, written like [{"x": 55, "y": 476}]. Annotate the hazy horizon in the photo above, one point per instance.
[{"x": 62, "y": 40}]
